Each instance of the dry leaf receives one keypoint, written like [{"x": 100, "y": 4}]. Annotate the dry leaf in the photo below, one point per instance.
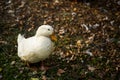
[
  {"x": 44, "y": 77},
  {"x": 88, "y": 52},
  {"x": 91, "y": 68},
  {"x": 3, "y": 42},
  {"x": 30, "y": 28},
  {"x": 13, "y": 62},
  {"x": 72, "y": 57},
  {"x": 1, "y": 76},
  {"x": 60, "y": 71},
  {"x": 78, "y": 43},
  {"x": 86, "y": 27},
  {"x": 75, "y": 9},
  {"x": 22, "y": 4},
  {"x": 61, "y": 31},
  {"x": 0, "y": 69},
  {"x": 34, "y": 79},
  {"x": 56, "y": 1},
  {"x": 74, "y": 66}
]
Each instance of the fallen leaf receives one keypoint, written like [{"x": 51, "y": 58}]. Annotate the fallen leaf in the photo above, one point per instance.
[
  {"x": 1, "y": 76},
  {"x": 34, "y": 79},
  {"x": 74, "y": 66},
  {"x": 78, "y": 43},
  {"x": 91, "y": 68},
  {"x": 30, "y": 28},
  {"x": 0, "y": 69},
  {"x": 61, "y": 31},
  {"x": 22, "y": 4},
  {"x": 75, "y": 9},
  {"x": 88, "y": 52},
  {"x": 13, "y": 62},
  {"x": 44, "y": 77},
  {"x": 56, "y": 1},
  {"x": 86, "y": 27},
  {"x": 11, "y": 11},
  {"x": 3, "y": 42},
  {"x": 60, "y": 71}
]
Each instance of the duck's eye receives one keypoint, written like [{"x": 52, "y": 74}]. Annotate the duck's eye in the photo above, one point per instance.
[{"x": 48, "y": 29}]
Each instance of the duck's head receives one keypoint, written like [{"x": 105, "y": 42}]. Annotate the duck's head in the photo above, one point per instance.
[{"x": 46, "y": 30}]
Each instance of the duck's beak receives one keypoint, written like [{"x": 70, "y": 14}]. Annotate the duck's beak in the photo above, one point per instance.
[{"x": 53, "y": 37}]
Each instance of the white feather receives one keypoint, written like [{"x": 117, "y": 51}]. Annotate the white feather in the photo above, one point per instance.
[{"x": 36, "y": 48}]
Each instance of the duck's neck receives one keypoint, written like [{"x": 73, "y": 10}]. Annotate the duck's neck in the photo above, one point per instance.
[{"x": 38, "y": 35}]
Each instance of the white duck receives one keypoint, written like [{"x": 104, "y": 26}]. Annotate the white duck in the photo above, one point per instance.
[{"x": 38, "y": 47}]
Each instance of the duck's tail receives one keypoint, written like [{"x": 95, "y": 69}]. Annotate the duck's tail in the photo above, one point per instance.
[{"x": 20, "y": 38}]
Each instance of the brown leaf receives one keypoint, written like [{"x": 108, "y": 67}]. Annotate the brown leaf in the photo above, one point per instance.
[
  {"x": 34, "y": 79},
  {"x": 3, "y": 42},
  {"x": 78, "y": 43},
  {"x": 30, "y": 28},
  {"x": 91, "y": 68},
  {"x": 60, "y": 71},
  {"x": 44, "y": 77},
  {"x": 0, "y": 69},
  {"x": 22, "y": 4},
  {"x": 75, "y": 9}
]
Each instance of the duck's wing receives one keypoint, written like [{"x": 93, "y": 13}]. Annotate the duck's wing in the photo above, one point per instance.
[{"x": 25, "y": 45}]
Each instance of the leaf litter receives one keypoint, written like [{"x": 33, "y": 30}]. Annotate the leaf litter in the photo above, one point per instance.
[{"x": 82, "y": 28}]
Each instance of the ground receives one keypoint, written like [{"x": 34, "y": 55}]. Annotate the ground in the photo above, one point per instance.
[{"x": 88, "y": 32}]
